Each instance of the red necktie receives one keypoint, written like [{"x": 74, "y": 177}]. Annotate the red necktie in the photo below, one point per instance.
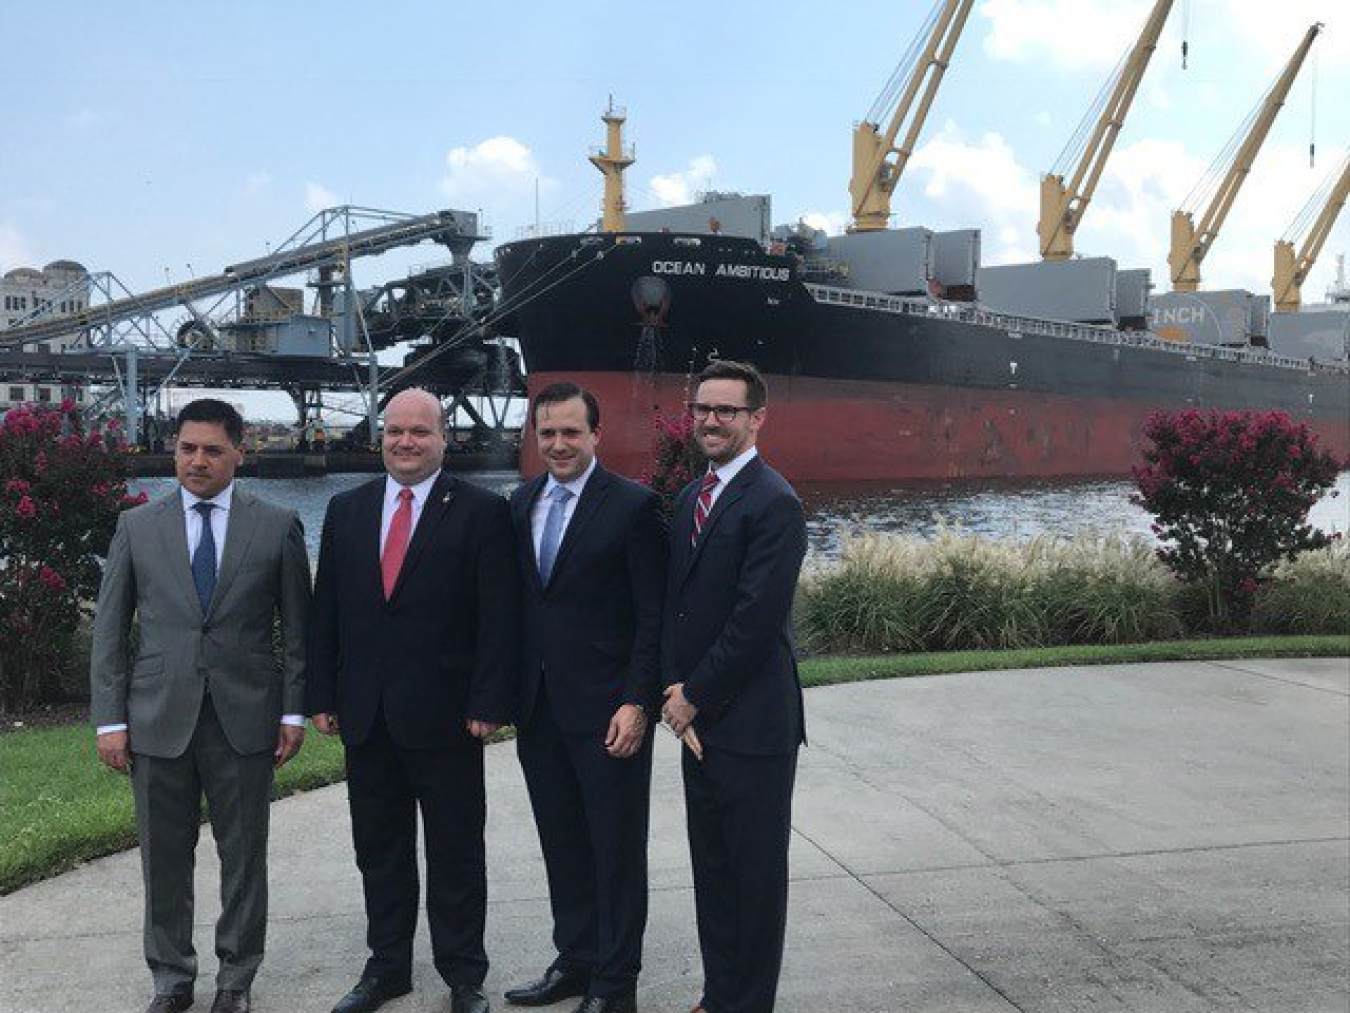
[
  {"x": 396, "y": 542},
  {"x": 705, "y": 499}
]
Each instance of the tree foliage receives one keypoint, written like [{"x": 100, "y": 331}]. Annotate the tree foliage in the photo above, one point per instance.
[
  {"x": 1230, "y": 494},
  {"x": 676, "y": 457},
  {"x": 62, "y": 485}
]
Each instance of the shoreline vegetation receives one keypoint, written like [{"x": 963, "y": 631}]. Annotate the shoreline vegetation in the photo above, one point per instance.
[{"x": 59, "y": 808}]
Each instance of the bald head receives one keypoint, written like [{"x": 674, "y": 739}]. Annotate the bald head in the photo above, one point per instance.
[{"x": 414, "y": 436}]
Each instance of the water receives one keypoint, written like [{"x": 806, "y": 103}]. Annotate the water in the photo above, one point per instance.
[{"x": 1016, "y": 510}]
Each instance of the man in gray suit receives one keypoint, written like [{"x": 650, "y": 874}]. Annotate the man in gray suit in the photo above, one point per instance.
[{"x": 203, "y": 706}]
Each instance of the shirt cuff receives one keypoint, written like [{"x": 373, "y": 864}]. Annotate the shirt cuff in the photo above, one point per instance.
[
  {"x": 108, "y": 729},
  {"x": 293, "y": 719}
]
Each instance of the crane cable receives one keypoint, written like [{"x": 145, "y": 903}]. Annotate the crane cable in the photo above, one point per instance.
[
  {"x": 1304, "y": 219},
  {"x": 904, "y": 70}
]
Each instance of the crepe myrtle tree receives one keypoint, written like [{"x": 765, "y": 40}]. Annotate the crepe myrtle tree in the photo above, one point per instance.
[
  {"x": 676, "y": 457},
  {"x": 1230, "y": 494},
  {"x": 62, "y": 485}
]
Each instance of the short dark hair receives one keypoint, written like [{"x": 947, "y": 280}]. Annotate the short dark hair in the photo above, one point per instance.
[
  {"x": 563, "y": 390},
  {"x": 217, "y": 413},
  {"x": 756, "y": 390}
]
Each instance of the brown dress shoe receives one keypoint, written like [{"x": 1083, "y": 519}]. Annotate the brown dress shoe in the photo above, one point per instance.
[
  {"x": 232, "y": 1000},
  {"x": 170, "y": 1002}
]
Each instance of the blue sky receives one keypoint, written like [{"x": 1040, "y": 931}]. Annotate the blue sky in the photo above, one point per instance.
[{"x": 145, "y": 137}]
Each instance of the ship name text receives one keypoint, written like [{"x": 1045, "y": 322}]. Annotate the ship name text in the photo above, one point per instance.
[{"x": 744, "y": 272}]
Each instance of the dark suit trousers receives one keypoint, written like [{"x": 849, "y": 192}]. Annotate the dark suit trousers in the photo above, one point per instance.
[
  {"x": 739, "y": 811},
  {"x": 592, "y": 814},
  {"x": 168, "y": 796},
  {"x": 387, "y": 784}
]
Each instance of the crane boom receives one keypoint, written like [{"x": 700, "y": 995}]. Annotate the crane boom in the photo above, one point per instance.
[
  {"x": 1062, "y": 206},
  {"x": 1190, "y": 243},
  {"x": 877, "y": 162},
  {"x": 1290, "y": 271}
]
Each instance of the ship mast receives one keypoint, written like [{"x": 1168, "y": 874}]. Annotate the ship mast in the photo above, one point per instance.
[{"x": 611, "y": 162}]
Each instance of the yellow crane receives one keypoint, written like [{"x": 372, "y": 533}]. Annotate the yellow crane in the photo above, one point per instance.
[
  {"x": 877, "y": 161},
  {"x": 1292, "y": 271},
  {"x": 1062, "y": 206},
  {"x": 1190, "y": 243}
]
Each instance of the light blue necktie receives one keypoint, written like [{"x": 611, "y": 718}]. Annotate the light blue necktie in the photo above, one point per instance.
[
  {"x": 553, "y": 529},
  {"x": 204, "y": 559}
]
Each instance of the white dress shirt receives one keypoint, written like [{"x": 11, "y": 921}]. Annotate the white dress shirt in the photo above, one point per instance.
[
  {"x": 220, "y": 524},
  {"x": 420, "y": 493},
  {"x": 726, "y": 472},
  {"x": 544, "y": 502}
]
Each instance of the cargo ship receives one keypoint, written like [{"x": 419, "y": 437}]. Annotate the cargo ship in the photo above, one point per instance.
[
  {"x": 893, "y": 354},
  {"x": 864, "y": 385}
]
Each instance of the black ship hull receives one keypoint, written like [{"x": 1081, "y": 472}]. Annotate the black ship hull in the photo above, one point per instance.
[{"x": 866, "y": 386}]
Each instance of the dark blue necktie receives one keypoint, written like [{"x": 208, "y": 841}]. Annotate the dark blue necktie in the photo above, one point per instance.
[
  {"x": 204, "y": 559},
  {"x": 553, "y": 527}
]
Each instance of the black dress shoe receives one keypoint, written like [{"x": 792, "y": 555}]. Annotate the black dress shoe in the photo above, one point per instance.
[
  {"x": 558, "y": 983},
  {"x": 371, "y": 993},
  {"x": 232, "y": 1000},
  {"x": 170, "y": 1002},
  {"x": 467, "y": 999},
  {"x": 625, "y": 1002}
]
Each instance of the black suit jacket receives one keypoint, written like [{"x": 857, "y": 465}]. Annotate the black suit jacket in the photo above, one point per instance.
[
  {"x": 444, "y": 647},
  {"x": 728, "y": 627},
  {"x": 592, "y": 636}
]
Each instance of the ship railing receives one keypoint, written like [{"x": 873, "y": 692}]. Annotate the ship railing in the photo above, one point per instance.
[{"x": 1018, "y": 325}]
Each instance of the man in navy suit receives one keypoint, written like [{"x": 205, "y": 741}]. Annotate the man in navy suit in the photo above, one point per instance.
[
  {"x": 732, "y": 691},
  {"x": 413, "y": 656},
  {"x": 593, "y": 552}
]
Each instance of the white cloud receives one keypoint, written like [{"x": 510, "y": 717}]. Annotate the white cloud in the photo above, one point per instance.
[
  {"x": 1269, "y": 32},
  {"x": 14, "y": 249},
  {"x": 980, "y": 182},
  {"x": 497, "y": 176},
  {"x": 831, "y": 223},
  {"x": 256, "y": 182},
  {"x": 1077, "y": 34},
  {"x": 675, "y": 188},
  {"x": 319, "y": 198},
  {"x": 1130, "y": 217}
]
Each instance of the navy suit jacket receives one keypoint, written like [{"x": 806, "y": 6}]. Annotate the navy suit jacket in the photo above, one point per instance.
[
  {"x": 593, "y": 634},
  {"x": 444, "y": 647},
  {"x": 728, "y": 627}
]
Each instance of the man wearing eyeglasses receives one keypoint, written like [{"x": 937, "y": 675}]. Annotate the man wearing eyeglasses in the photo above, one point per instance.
[{"x": 733, "y": 695}]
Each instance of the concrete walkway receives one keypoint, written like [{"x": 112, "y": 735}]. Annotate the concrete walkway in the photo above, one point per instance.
[{"x": 1168, "y": 837}]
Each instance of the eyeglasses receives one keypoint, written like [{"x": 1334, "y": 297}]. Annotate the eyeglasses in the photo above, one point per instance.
[{"x": 724, "y": 413}]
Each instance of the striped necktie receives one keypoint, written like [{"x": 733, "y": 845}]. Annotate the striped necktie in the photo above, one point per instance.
[{"x": 705, "y": 501}]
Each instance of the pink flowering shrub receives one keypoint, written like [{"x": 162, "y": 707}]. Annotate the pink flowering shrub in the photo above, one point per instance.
[
  {"x": 676, "y": 457},
  {"x": 62, "y": 485},
  {"x": 1230, "y": 493}
]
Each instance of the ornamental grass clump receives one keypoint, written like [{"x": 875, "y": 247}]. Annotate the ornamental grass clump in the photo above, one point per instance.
[
  {"x": 1230, "y": 493},
  {"x": 960, "y": 592},
  {"x": 62, "y": 485},
  {"x": 1307, "y": 595}
]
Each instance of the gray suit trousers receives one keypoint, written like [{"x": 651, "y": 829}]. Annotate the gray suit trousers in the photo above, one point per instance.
[{"x": 168, "y": 795}]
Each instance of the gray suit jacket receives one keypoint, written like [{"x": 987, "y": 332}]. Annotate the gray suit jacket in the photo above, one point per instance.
[{"x": 179, "y": 651}]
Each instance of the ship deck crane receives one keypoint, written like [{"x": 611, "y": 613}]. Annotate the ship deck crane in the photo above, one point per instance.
[
  {"x": 1190, "y": 242},
  {"x": 878, "y": 162},
  {"x": 1292, "y": 271},
  {"x": 1062, "y": 206}
]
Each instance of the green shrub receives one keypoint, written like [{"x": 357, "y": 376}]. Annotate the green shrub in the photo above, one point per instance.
[{"x": 1310, "y": 594}]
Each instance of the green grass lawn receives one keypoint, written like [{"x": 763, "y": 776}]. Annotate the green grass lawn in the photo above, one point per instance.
[{"x": 60, "y": 807}]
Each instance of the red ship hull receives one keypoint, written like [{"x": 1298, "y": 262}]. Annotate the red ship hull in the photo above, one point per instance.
[{"x": 846, "y": 430}]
